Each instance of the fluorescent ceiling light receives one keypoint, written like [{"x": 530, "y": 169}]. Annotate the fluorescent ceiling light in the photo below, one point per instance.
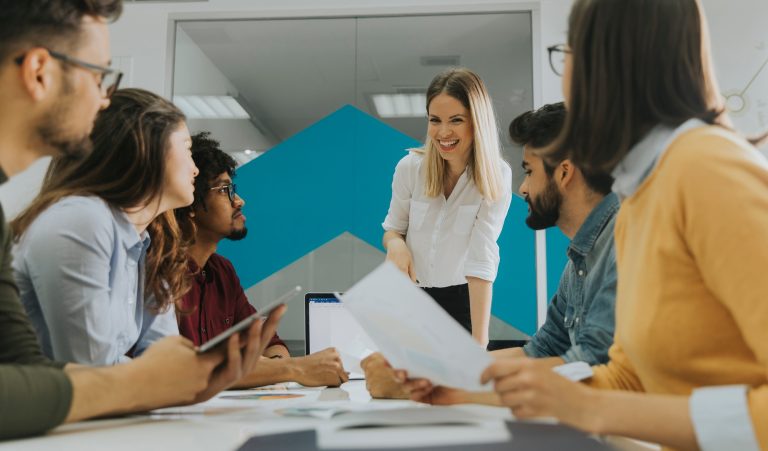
[
  {"x": 399, "y": 105},
  {"x": 210, "y": 107}
]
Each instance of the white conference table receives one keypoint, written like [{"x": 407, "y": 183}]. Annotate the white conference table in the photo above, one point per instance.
[{"x": 222, "y": 424}]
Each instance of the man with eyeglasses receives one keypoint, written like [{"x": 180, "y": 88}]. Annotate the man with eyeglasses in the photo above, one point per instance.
[
  {"x": 54, "y": 79},
  {"x": 216, "y": 300}
]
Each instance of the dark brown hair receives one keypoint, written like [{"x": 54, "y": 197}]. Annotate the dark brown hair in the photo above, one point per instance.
[
  {"x": 636, "y": 64},
  {"x": 127, "y": 170},
  {"x": 48, "y": 23},
  {"x": 540, "y": 128}
]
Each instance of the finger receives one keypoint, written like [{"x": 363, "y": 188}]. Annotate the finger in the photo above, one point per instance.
[
  {"x": 401, "y": 376},
  {"x": 500, "y": 368},
  {"x": 417, "y": 384},
  {"x": 411, "y": 272}
]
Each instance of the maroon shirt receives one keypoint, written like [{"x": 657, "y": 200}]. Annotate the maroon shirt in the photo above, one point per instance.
[{"x": 215, "y": 302}]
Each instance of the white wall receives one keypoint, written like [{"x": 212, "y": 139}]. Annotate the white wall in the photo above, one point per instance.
[{"x": 142, "y": 32}]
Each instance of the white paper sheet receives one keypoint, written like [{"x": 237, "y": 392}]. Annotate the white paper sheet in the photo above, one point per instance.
[
  {"x": 413, "y": 332},
  {"x": 410, "y": 427}
]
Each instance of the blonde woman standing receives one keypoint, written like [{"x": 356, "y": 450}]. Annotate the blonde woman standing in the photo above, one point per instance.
[{"x": 449, "y": 201}]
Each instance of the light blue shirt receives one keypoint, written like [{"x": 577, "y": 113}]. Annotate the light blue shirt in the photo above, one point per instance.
[
  {"x": 720, "y": 414},
  {"x": 80, "y": 272}
]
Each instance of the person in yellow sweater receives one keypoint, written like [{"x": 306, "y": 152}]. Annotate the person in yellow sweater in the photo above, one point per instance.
[{"x": 689, "y": 364}]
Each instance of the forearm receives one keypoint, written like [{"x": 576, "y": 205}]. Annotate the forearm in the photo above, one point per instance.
[
  {"x": 662, "y": 419},
  {"x": 507, "y": 353},
  {"x": 277, "y": 350},
  {"x": 269, "y": 371},
  {"x": 480, "y": 308},
  {"x": 390, "y": 235},
  {"x": 105, "y": 390}
]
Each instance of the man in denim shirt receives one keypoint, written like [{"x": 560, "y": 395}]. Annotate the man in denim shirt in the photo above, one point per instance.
[{"x": 580, "y": 317}]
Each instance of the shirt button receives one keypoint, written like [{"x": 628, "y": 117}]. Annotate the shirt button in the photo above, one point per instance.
[{"x": 581, "y": 272}]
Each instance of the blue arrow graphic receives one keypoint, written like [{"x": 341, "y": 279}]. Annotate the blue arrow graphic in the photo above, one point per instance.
[{"x": 334, "y": 177}]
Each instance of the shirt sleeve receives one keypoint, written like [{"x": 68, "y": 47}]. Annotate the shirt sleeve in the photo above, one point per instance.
[
  {"x": 725, "y": 198},
  {"x": 18, "y": 342},
  {"x": 35, "y": 393},
  {"x": 617, "y": 374},
  {"x": 595, "y": 336},
  {"x": 33, "y": 399},
  {"x": 73, "y": 289},
  {"x": 403, "y": 183},
  {"x": 721, "y": 418},
  {"x": 244, "y": 308},
  {"x": 155, "y": 327},
  {"x": 552, "y": 337},
  {"x": 483, "y": 254}
]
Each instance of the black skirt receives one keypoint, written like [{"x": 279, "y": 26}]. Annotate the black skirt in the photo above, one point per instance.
[{"x": 455, "y": 301}]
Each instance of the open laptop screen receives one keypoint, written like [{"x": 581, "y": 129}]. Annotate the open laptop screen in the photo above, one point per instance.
[{"x": 328, "y": 324}]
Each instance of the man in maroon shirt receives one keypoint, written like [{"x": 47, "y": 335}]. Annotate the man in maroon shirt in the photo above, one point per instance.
[{"x": 216, "y": 299}]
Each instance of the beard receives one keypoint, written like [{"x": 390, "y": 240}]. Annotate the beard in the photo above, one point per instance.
[
  {"x": 238, "y": 234},
  {"x": 545, "y": 208},
  {"x": 53, "y": 131}
]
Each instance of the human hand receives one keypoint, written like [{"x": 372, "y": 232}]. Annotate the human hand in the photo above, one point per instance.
[
  {"x": 381, "y": 380},
  {"x": 399, "y": 254},
  {"x": 171, "y": 372},
  {"x": 318, "y": 369},
  {"x": 242, "y": 353},
  {"x": 531, "y": 389}
]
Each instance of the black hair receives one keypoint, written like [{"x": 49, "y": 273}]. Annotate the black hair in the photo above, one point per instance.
[
  {"x": 211, "y": 161},
  {"x": 539, "y": 129}
]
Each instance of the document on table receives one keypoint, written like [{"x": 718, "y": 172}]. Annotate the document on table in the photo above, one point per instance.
[
  {"x": 413, "y": 332},
  {"x": 410, "y": 427}
]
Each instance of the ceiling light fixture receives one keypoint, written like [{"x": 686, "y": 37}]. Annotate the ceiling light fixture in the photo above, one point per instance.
[
  {"x": 210, "y": 107},
  {"x": 400, "y": 105}
]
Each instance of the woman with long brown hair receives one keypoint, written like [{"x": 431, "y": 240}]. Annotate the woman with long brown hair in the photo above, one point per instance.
[
  {"x": 689, "y": 364},
  {"x": 99, "y": 260}
]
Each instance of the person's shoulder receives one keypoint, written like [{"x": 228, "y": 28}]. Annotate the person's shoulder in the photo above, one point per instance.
[
  {"x": 78, "y": 212},
  {"x": 713, "y": 146}
]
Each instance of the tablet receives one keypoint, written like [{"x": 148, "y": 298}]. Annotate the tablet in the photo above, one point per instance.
[{"x": 245, "y": 323}]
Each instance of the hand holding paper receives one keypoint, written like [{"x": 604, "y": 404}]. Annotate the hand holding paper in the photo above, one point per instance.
[{"x": 413, "y": 332}]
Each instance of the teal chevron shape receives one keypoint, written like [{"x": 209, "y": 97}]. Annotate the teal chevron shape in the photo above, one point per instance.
[{"x": 335, "y": 176}]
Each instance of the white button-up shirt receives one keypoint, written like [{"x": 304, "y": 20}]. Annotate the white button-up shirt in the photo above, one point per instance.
[{"x": 449, "y": 239}]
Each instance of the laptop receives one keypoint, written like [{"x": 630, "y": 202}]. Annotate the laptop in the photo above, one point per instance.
[{"x": 327, "y": 324}]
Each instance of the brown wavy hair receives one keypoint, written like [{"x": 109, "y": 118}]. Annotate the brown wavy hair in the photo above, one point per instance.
[{"x": 127, "y": 170}]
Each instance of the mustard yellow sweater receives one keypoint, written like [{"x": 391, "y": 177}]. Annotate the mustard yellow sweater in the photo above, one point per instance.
[{"x": 692, "y": 262}]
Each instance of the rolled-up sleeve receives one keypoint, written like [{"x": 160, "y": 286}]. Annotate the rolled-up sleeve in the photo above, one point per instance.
[
  {"x": 483, "y": 254},
  {"x": 402, "y": 189},
  {"x": 721, "y": 418},
  {"x": 73, "y": 289}
]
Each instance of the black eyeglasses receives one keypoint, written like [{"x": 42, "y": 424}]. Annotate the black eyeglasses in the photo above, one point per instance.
[
  {"x": 109, "y": 79},
  {"x": 230, "y": 189},
  {"x": 557, "y": 57}
]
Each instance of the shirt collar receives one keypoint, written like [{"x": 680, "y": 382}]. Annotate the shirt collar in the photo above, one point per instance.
[
  {"x": 590, "y": 230},
  {"x": 630, "y": 173},
  {"x": 127, "y": 232}
]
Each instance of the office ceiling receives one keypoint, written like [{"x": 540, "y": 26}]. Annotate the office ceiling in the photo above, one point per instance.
[{"x": 292, "y": 72}]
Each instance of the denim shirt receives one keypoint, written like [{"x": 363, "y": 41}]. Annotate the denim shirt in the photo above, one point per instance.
[{"x": 580, "y": 317}]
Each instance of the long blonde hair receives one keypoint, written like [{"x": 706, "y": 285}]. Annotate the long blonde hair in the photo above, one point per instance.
[{"x": 485, "y": 162}]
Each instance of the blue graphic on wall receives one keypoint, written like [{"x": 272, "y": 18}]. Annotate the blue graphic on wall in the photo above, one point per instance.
[{"x": 334, "y": 177}]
